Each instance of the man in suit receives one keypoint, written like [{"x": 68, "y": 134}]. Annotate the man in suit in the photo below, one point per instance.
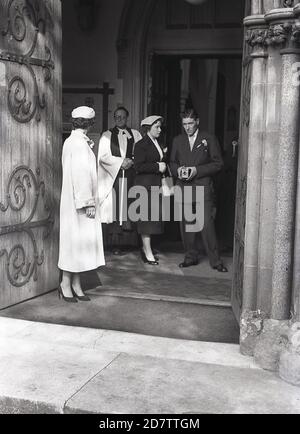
[{"x": 195, "y": 158}]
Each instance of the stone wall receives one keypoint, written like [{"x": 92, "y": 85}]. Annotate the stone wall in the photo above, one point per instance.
[
  {"x": 272, "y": 255},
  {"x": 90, "y": 55}
]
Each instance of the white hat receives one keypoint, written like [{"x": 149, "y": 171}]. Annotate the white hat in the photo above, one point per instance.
[
  {"x": 150, "y": 120},
  {"x": 83, "y": 112}
]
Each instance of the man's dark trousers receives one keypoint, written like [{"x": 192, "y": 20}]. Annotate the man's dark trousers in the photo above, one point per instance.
[{"x": 208, "y": 235}]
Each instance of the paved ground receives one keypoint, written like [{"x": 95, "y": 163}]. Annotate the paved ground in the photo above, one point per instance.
[
  {"x": 59, "y": 369},
  {"x": 50, "y": 366}
]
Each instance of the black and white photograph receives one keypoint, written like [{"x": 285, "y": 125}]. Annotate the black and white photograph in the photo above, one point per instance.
[{"x": 149, "y": 210}]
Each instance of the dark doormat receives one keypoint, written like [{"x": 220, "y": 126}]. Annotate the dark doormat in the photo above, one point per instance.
[
  {"x": 129, "y": 297},
  {"x": 156, "y": 318}
]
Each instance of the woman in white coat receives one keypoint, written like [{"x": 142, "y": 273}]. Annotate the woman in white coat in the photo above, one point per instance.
[{"x": 81, "y": 244}]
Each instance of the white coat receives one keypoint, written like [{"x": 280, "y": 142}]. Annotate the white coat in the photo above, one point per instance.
[
  {"x": 108, "y": 169},
  {"x": 81, "y": 244}
]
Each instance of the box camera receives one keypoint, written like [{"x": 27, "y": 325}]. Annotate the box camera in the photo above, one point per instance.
[{"x": 185, "y": 173}]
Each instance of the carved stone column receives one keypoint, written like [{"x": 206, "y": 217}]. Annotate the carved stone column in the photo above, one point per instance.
[
  {"x": 268, "y": 180},
  {"x": 296, "y": 268},
  {"x": 256, "y": 38},
  {"x": 270, "y": 158},
  {"x": 272, "y": 338},
  {"x": 273, "y": 349},
  {"x": 285, "y": 33},
  {"x": 256, "y": 7},
  {"x": 289, "y": 362}
]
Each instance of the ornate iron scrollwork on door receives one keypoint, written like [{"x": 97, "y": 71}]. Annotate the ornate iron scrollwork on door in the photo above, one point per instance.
[
  {"x": 24, "y": 187},
  {"x": 24, "y": 22}
]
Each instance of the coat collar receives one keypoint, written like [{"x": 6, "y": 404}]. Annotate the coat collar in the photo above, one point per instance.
[
  {"x": 188, "y": 141},
  {"x": 200, "y": 137},
  {"x": 81, "y": 133}
]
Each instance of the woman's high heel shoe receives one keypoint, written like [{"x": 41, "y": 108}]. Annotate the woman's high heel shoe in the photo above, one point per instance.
[
  {"x": 146, "y": 261},
  {"x": 67, "y": 299},
  {"x": 81, "y": 297}
]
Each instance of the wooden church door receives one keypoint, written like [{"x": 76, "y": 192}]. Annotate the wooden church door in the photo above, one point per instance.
[{"x": 30, "y": 147}]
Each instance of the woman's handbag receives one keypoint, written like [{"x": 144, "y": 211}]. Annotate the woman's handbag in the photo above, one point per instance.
[{"x": 168, "y": 184}]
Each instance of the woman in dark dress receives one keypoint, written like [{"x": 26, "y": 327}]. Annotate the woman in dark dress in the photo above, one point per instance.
[{"x": 150, "y": 166}]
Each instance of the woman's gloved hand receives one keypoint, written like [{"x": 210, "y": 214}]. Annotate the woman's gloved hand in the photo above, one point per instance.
[
  {"x": 162, "y": 167},
  {"x": 90, "y": 212}
]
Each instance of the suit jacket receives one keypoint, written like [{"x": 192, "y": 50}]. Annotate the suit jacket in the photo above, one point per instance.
[
  {"x": 205, "y": 156},
  {"x": 146, "y": 157}
]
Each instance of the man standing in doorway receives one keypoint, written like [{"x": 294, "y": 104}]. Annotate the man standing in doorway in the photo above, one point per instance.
[
  {"x": 195, "y": 158},
  {"x": 116, "y": 173}
]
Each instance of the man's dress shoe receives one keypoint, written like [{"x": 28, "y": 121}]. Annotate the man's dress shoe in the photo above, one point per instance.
[
  {"x": 187, "y": 264},
  {"x": 220, "y": 268}
]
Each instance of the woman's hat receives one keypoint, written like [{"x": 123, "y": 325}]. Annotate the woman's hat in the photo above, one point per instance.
[
  {"x": 150, "y": 120},
  {"x": 83, "y": 112}
]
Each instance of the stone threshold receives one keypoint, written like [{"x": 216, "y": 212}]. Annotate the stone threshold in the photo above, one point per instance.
[
  {"x": 155, "y": 297},
  {"x": 124, "y": 342}
]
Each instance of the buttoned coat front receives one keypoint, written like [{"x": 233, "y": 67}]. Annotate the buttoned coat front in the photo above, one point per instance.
[
  {"x": 81, "y": 245},
  {"x": 146, "y": 163},
  {"x": 146, "y": 159}
]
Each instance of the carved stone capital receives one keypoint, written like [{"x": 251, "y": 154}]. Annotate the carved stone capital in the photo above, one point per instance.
[
  {"x": 296, "y": 32},
  {"x": 282, "y": 35},
  {"x": 256, "y": 33},
  {"x": 256, "y": 37},
  {"x": 278, "y": 28},
  {"x": 278, "y": 34}
]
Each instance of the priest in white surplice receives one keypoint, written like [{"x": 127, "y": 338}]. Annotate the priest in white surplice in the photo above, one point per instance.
[{"x": 115, "y": 166}]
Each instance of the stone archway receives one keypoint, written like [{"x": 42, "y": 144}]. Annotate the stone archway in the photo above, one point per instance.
[
  {"x": 267, "y": 249},
  {"x": 135, "y": 52},
  {"x": 271, "y": 263}
]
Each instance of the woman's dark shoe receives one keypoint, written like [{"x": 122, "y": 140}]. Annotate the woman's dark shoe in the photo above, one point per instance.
[
  {"x": 80, "y": 297},
  {"x": 67, "y": 299},
  {"x": 220, "y": 268},
  {"x": 146, "y": 261}
]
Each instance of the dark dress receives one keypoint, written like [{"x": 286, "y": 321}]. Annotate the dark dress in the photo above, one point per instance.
[{"x": 146, "y": 159}]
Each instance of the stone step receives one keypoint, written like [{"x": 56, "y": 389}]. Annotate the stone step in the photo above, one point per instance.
[{"x": 58, "y": 369}]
